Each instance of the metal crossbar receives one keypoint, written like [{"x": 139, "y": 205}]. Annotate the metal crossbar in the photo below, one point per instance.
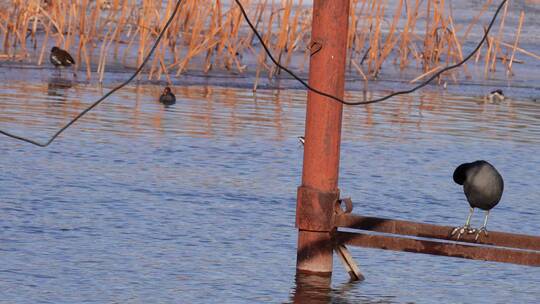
[{"x": 437, "y": 240}]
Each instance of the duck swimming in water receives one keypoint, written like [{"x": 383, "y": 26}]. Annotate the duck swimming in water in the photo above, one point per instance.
[
  {"x": 483, "y": 187},
  {"x": 167, "y": 97},
  {"x": 495, "y": 97}
]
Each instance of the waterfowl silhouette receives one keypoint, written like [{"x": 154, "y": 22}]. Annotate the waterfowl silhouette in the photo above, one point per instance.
[
  {"x": 302, "y": 140},
  {"x": 167, "y": 97},
  {"x": 483, "y": 186},
  {"x": 496, "y": 96},
  {"x": 60, "y": 58}
]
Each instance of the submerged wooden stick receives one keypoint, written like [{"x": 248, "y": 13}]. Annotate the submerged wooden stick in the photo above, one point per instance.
[{"x": 348, "y": 262}]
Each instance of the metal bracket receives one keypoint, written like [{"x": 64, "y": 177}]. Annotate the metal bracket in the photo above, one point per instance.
[
  {"x": 315, "y": 210},
  {"x": 339, "y": 206}
]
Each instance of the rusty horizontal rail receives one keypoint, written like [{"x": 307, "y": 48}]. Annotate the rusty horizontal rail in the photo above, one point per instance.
[
  {"x": 501, "y": 239},
  {"x": 475, "y": 252}
]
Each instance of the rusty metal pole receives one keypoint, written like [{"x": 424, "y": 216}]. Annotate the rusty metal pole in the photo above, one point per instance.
[{"x": 319, "y": 190}]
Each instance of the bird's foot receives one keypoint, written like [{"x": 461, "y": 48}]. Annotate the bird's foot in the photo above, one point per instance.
[
  {"x": 479, "y": 231},
  {"x": 462, "y": 230}
]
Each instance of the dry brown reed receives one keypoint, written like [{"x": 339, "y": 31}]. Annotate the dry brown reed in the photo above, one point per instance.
[{"x": 212, "y": 35}]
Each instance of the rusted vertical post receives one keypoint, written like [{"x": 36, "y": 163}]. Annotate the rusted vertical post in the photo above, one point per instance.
[{"x": 319, "y": 191}]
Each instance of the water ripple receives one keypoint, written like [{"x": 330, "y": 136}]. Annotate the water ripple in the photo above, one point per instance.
[{"x": 141, "y": 203}]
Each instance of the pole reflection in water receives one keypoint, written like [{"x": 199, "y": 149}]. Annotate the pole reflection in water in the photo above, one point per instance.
[
  {"x": 312, "y": 289},
  {"x": 318, "y": 289}
]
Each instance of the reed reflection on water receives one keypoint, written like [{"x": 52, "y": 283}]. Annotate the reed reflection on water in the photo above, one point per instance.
[
  {"x": 142, "y": 203},
  {"x": 217, "y": 111}
]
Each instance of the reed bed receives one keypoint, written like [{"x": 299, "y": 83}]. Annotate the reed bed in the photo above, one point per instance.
[{"x": 211, "y": 35}]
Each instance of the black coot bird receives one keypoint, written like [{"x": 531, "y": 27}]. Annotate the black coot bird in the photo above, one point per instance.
[
  {"x": 167, "y": 97},
  {"x": 61, "y": 58},
  {"x": 483, "y": 187}
]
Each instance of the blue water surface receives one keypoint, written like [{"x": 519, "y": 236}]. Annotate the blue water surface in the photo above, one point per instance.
[{"x": 195, "y": 203}]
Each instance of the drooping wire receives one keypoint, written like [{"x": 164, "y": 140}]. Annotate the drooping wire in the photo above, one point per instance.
[
  {"x": 305, "y": 84},
  {"x": 267, "y": 50},
  {"x": 139, "y": 69}
]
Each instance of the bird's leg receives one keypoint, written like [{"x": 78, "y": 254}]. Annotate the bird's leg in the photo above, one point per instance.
[
  {"x": 465, "y": 228},
  {"x": 483, "y": 228}
]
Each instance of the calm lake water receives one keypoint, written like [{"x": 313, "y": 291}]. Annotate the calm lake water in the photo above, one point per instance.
[{"x": 195, "y": 203}]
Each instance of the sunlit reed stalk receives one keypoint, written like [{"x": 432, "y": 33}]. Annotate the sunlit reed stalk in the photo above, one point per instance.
[
  {"x": 283, "y": 34},
  {"x": 428, "y": 37},
  {"x": 261, "y": 61},
  {"x": 520, "y": 50},
  {"x": 497, "y": 48},
  {"x": 521, "y": 17},
  {"x": 391, "y": 40},
  {"x": 488, "y": 56},
  {"x": 293, "y": 33}
]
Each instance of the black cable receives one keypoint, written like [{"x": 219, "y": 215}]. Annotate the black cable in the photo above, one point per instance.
[
  {"x": 378, "y": 99},
  {"x": 139, "y": 69},
  {"x": 267, "y": 50}
]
